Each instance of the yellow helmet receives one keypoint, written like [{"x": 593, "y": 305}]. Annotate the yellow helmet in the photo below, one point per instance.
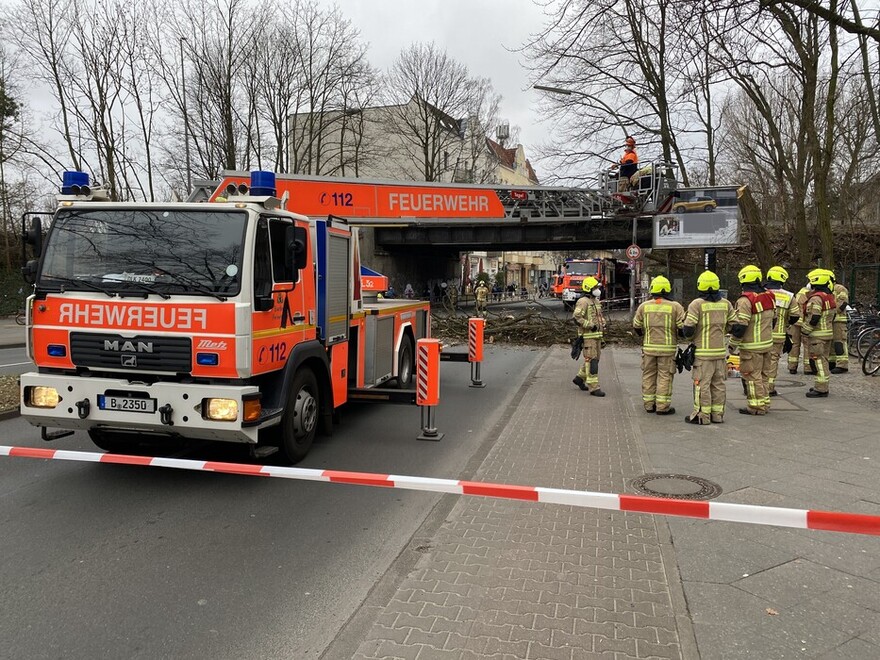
[
  {"x": 778, "y": 274},
  {"x": 750, "y": 274},
  {"x": 831, "y": 275},
  {"x": 708, "y": 281},
  {"x": 660, "y": 285},
  {"x": 819, "y": 277},
  {"x": 589, "y": 283}
]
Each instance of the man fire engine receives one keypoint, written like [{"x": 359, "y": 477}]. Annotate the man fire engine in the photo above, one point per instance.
[{"x": 235, "y": 320}]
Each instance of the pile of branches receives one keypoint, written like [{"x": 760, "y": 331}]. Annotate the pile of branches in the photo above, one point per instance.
[{"x": 536, "y": 326}]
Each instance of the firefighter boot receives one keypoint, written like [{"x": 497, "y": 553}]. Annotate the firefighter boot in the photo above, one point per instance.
[
  {"x": 597, "y": 393},
  {"x": 577, "y": 380},
  {"x": 716, "y": 418},
  {"x": 668, "y": 411}
]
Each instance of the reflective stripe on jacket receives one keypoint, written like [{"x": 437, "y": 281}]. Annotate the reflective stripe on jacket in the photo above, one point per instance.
[
  {"x": 660, "y": 319},
  {"x": 710, "y": 321}
]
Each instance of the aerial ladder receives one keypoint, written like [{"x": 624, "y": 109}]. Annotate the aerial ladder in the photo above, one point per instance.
[{"x": 379, "y": 202}]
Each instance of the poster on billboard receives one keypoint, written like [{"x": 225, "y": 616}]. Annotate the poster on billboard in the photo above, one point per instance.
[{"x": 700, "y": 217}]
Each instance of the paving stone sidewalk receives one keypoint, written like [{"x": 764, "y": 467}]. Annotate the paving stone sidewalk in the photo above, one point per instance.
[
  {"x": 512, "y": 580},
  {"x": 767, "y": 592}
]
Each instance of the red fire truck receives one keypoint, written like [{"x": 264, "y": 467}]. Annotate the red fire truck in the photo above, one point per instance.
[
  {"x": 235, "y": 320},
  {"x": 568, "y": 285}
]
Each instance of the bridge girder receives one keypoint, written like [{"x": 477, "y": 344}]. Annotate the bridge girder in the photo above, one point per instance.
[{"x": 615, "y": 233}]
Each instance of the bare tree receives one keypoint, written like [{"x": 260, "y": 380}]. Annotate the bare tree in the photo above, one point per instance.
[
  {"x": 427, "y": 92},
  {"x": 621, "y": 64}
]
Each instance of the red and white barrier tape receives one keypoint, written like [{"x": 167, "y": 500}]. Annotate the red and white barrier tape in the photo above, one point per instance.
[{"x": 853, "y": 523}]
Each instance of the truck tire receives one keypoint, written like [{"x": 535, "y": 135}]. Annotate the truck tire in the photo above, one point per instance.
[
  {"x": 299, "y": 424},
  {"x": 405, "y": 364}
]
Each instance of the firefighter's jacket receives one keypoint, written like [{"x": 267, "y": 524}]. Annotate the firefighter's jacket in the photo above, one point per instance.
[
  {"x": 841, "y": 296},
  {"x": 710, "y": 319},
  {"x": 797, "y": 305},
  {"x": 822, "y": 307},
  {"x": 482, "y": 293},
  {"x": 588, "y": 314},
  {"x": 756, "y": 311},
  {"x": 660, "y": 319},
  {"x": 784, "y": 301}
]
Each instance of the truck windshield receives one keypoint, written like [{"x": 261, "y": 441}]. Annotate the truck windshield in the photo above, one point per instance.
[
  {"x": 586, "y": 268},
  {"x": 136, "y": 251}
]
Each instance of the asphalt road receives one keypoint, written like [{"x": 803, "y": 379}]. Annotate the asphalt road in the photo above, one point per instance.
[
  {"x": 14, "y": 361},
  {"x": 131, "y": 562}
]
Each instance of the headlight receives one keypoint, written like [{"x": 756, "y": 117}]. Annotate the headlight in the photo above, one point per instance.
[
  {"x": 38, "y": 396},
  {"x": 220, "y": 410}
]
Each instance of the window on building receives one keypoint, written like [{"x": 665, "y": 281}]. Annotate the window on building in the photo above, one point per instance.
[{"x": 445, "y": 160}]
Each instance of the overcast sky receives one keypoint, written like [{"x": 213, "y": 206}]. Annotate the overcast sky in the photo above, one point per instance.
[{"x": 482, "y": 34}]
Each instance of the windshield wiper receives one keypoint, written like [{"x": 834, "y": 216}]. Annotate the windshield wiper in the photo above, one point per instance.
[
  {"x": 79, "y": 282},
  {"x": 184, "y": 280},
  {"x": 143, "y": 286}
]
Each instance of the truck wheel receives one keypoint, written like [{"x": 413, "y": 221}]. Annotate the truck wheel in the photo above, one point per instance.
[
  {"x": 405, "y": 364},
  {"x": 300, "y": 421}
]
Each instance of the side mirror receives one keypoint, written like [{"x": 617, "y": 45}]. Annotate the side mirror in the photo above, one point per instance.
[
  {"x": 29, "y": 271},
  {"x": 296, "y": 254},
  {"x": 264, "y": 303},
  {"x": 32, "y": 235}
]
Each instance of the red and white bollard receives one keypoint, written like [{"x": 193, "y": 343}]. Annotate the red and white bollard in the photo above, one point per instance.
[
  {"x": 476, "y": 328},
  {"x": 428, "y": 385}
]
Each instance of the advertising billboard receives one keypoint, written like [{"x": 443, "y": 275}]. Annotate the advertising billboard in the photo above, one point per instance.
[{"x": 700, "y": 217}]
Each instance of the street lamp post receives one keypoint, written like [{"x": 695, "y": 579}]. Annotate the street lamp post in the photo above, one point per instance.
[
  {"x": 185, "y": 119},
  {"x": 610, "y": 111}
]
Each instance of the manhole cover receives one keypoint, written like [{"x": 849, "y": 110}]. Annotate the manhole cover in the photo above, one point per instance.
[
  {"x": 676, "y": 486},
  {"x": 790, "y": 383}
]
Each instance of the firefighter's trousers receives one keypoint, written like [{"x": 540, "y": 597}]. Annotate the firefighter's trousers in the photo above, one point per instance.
[
  {"x": 799, "y": 343},
  {"x": 590, "y": 368},
  {"x": 773, "y": 367},
  {"x": 710, "y": 388},
  {"x": 819, "y": 350},
  {"x": 839, "y": 349},
  {"x": 657, "y": 373},
  {"x": 755, "y": 369},
  {"x": 481, "y": 308}
]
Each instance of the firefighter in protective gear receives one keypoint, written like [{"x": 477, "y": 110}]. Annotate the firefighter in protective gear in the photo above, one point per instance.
[
  {"x": 752, "y": 334},
  {"x": 705, "y": 324},
  {"x": 819, "y": 313},
  {"x": 591, "y": 325},
  {"x": 839, "y": 360},
  {"x": 658, "y": 321},
  {"x": 777, "y": 276},
  {"x": 799, "y": 342},
  {"x": 481, "y": 296}
]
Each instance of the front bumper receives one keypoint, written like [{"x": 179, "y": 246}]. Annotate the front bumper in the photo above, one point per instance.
[{"x": 185, "y": 401}]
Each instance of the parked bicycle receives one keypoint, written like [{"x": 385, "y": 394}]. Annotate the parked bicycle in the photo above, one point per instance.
[{"x": 871, "y": 361}]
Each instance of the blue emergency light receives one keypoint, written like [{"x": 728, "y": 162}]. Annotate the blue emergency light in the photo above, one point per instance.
[
  {"x": 262, "y": 183},
  {"x": 56, "y": 350},
  {"x": 207, "y": 359},
  {"x": 74, "y": 183}
]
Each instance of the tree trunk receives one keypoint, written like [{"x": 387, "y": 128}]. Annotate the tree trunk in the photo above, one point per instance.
[{"x": 751, "y": 217}]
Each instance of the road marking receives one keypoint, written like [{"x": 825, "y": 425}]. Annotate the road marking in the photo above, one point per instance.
[
  {"x": 14, "y": 364},
  {"x": 831, "y": 521}
]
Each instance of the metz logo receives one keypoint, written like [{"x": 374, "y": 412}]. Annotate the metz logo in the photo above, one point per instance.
[{"x": 208, "y": 344}]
